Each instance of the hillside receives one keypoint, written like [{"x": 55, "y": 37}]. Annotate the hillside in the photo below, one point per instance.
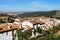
[
  {"x": 57, "y": 14},
  {"x": 53, "y": 13},
  {"x": 39, "y": 13}
]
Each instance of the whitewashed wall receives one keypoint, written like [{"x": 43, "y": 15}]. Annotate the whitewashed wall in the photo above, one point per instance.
[
  {"x": 3, "y": 36},
  {"x": 27, "y": 23}
]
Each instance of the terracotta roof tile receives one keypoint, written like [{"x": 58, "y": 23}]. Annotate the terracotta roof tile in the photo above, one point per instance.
[
  {"x": 34, "y": 21},
  {"x": 28, "y": 27},
  {"x": 4, "y": 28}
]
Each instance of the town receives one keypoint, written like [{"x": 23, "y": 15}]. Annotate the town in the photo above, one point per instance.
[
  {"x": 9, "y": 30},
  {"x": 29, "y": 19}
]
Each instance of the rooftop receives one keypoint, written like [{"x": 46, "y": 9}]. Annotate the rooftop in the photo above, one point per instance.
[{"x": 5, "y": 28}]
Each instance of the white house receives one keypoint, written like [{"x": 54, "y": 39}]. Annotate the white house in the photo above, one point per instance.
[
  {"x": 27, "y": 23},
  {"x": 7, "y": 33}
]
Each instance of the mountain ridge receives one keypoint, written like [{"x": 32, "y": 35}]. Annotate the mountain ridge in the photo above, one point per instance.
[{"x": 52, "y": 13}]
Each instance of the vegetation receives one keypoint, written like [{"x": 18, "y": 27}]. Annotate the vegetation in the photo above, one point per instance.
[
  {"x": 39, "y": 13},
  {"x": 48, "y": 35},
  {"x": 1, "y": 21},
  {"x": 24, "y": 35}
]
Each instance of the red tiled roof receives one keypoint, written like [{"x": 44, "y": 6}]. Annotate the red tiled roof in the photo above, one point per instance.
[
  {"x": 34, "y": 21},
  {"x": 27, "y": 26},
  {"x": 4, "y": 28}
]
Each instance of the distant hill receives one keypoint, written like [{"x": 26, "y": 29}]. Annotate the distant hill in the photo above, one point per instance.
[
  {"x": 57, "y": 14},
  {"x": 10, "y": 13},
  {"x": 39, "y": 13},
  {"x": 53, "y": 13}
]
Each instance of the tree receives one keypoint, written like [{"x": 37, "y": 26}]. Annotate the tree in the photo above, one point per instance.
[{"x": 24, "y": 35}]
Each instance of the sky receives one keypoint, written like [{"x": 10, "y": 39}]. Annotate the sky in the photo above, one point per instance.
[{"x": 29, "y": 5}]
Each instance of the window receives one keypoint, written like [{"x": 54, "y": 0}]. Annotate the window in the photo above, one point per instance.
[{"x": 6, "y": 33}]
